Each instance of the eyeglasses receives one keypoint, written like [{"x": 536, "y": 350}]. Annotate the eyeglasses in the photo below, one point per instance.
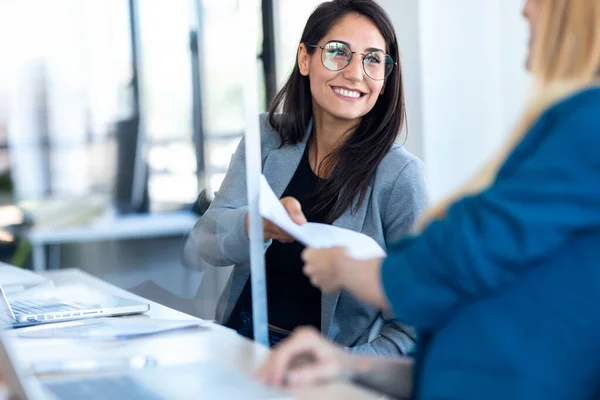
[{"x": 336, "y": 56}]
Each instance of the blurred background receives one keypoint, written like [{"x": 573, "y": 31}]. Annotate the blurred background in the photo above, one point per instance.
[{"x": 115, "y": 115}]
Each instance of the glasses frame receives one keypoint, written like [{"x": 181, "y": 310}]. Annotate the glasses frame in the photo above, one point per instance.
[{"x": 352, "y": 53}]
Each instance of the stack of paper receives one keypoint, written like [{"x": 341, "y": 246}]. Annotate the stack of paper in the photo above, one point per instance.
[{"x": 358, "y": 245}]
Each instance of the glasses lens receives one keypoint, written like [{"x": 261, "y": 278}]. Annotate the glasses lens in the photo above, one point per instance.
[
  {"x": 378, "y": 65},
  {"x": 336, "y": 56}
]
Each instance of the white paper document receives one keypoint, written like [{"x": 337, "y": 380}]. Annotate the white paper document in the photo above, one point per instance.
[
  {"x": 358, "y": 245},
  {"x": 108, "y": 328}
]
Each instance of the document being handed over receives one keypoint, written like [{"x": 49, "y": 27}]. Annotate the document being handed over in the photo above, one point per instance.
[{"x": 358, "y": 245}]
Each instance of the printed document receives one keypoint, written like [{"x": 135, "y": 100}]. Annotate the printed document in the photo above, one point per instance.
[{"x": 358, "y": 245}]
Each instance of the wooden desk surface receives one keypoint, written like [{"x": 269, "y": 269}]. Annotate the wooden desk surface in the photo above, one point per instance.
[{"x": 215, "y": 344}]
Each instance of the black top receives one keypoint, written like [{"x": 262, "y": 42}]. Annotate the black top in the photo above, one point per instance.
[{"x": 291, "y": 299}]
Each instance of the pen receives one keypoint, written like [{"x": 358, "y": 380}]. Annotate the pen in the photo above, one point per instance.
[{"x": 93, "y": 365}]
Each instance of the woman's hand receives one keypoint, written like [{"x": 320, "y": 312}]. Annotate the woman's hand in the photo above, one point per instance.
[
  {"x": 272, "y": 231},
  {"x": 333, "y": 269},
  {"x": 305, "y": 358},
  {"x": 325, "y": 267}
]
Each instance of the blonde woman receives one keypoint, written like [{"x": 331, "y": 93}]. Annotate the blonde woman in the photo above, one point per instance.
[{"x": 503, "y": 281}]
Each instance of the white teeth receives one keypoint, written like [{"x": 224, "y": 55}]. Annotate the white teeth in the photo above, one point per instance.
[{"x": 347, "y": 93}]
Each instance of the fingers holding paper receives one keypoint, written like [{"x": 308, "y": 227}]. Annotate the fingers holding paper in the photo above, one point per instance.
[
  {"x": 271, "y": 231},
  {"x": 333, "y": 269},
  {"x": 294, "y": 210}
]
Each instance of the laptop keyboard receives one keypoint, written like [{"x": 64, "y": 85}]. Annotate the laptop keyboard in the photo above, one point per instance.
[
  {"x": 29, "y": 307},
  {"x": 122, "y": 387}
]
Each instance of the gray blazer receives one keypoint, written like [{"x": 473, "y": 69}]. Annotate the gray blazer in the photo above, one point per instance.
[{"x": 394, "y": 199}]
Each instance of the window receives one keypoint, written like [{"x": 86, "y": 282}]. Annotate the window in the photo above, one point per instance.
[
  {"x": 222, "y": 84},
  {"x": 166, "y": 66}
]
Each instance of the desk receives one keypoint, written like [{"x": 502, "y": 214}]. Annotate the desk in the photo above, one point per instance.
[
  {"x": 133, "y": 226},
  {"x": 216, "y": 344}
]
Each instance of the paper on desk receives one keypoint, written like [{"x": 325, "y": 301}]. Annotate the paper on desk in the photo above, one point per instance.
[
  {"x": 108, "y": 328},
  {"x": 358, "y": 245}
]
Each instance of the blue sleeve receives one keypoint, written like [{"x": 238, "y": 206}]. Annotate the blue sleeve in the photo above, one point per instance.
[{"x": 486, "y": 241}]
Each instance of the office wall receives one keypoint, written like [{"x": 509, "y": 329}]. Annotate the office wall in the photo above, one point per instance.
[
  {"x": 405, "y": 16},
  {"x": 465, "y": 81}
]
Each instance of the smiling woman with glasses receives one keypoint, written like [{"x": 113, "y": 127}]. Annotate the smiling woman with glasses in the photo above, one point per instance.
[{"x": 329, "y": 153}]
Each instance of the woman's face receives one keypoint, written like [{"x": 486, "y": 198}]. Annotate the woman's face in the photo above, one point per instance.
[
  {"x": 531, "y": 12},
  {"x": 348, "y": 93}
]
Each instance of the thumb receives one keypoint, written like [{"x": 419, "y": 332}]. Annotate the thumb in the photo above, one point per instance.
[{"x": 294, "y": 210}]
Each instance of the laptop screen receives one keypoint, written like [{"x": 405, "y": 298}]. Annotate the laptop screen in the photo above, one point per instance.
[{"x": 5, "y": 308}]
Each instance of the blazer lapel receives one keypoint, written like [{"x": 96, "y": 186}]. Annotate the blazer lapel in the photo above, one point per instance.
[
  {"x": 355, "y": 223},
  {"x": 280, "y": 164}
]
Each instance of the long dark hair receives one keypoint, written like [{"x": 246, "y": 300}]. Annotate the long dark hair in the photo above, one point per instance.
[{"x": 354, "y": 162}]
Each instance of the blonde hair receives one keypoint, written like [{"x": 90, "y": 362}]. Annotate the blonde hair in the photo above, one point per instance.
[{"x": 565, "y": 59}]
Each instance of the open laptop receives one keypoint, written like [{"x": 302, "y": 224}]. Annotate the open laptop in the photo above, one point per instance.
[
  {"x": 192, "y": 381},
  {"x": 29, "y": 308}
]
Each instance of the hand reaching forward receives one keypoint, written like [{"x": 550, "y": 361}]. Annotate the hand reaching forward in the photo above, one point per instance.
[
  {"x": 272, "y": 231},
  {"x": 333, "y": 269}
]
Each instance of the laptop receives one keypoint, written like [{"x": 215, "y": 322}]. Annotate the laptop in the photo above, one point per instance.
[
  {"x": 42, "y": 307},
  {"x": 192, "y": 381},
  {"x": 14, "y": 279}
]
